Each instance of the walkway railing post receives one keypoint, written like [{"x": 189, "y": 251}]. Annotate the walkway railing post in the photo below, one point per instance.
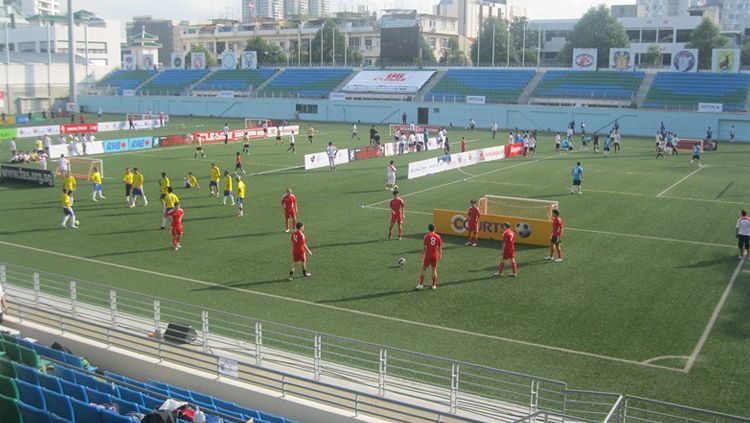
[
  {"x": 455, "y": 369},
  {"x": 317, "y": 354},
  {"x": 258, "y": 343},
  {"x": 36, "y": 289},
  {"x": 73, "y": 299},
  {"x": 382, "y": 371},
  {"x": 157, "y": 318},
  {"x": 204, "y": 329},
  {"x": 113, "y": 307}
]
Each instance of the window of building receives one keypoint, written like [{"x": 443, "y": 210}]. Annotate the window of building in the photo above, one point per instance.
[
  {"x": 355, "y": 41},
  {"x": 27, "y": 47},
  {"x": 634, "y": 35},
  {"x": 433, "y": 42},
  {"x": 683, "y": 35},
  {"x": 648, "y": 36},
  {"x": 307, "y": 108},
  {"x": 666, "y": 35},
  {"x": 368, "y": 42}
]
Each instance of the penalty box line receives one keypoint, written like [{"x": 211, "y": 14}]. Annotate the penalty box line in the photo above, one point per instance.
[
  {"x": 684, "y": 178},
  {"x": 348, "y": 310}
]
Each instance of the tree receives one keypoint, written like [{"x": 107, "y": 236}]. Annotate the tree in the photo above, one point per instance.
[
  {"x": 746, "y": 52},
  {"x": 518, "y": 26},
  {"x": 499, "y": 27},
  {"x": 706, "y": 37},
  {"x": 428, "y": 56},
  {"x": 268, "y": 54},
  {"x": 598, "y": 29},
  {"x": 329, "y": 33},
  {"x": 452, "y": 54},
  {"x": 653, "y": 56},
  {"x": 210, "y": 59}
]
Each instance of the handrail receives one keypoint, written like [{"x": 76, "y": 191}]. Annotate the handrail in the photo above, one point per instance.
[{"x": 615, "y": 408}]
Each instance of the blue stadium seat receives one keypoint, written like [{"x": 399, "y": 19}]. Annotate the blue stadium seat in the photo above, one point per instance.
[
  {"x": 85, "y": 413},
  {"x": 97, "y": 397},
  {"x": 49, "y": 382},
  {"x": 74, "y": 391},
  {"x": 107, "y": 416},
  {"x": 206, "y": 399},
  {"x": 30, "y": 394},
  {"x": 65, "y": 374},
  {"x": 224, "y": 405},
  {"x": 51, "y": 353},
  {"x": 152, "y": 403},
  {"x": 32, "y": 414},
  {"x": 73, "y": 360},
  {"x": 56, "y": 419},
  {"x": 128, "y": 394},
  {"x": 496, "y": 85},
  {"x": 125, "y": 406},
  {"x": 132, "y": 383},
  {"x": 85, "y": 379},
  {"x": 58, "y": 404},
  {"x": 271, "y": 418},
  {"x": 26, "y": 374},
  {"x": 115, "y": 376},
  {"x": 160, "y": 385}
]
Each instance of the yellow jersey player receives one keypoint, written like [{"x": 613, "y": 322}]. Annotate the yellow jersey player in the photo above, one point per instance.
[
  {"x": 241, "y": 189},
  {"x": 191, "y": 181},
  {"x": 227, "y": 188},
  {"x": 67, "y": 205},
  {"x": 170, "y": 199},
  {"x": 69, "y": 183},
  {"x": 164, "y": 184},
  {"x": 96, "y": 179},
  {"x": 127, "y": 179},
  {"x": 199, "y": 148},
  {"x": 310, "y": 134},
  {"x": 138, "y": 179},
  {"x": 213, "y": 185}
]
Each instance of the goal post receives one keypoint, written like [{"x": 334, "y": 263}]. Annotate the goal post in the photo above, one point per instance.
[
  {"x": 528, "y": 208},
  {"x": 251, "y": 123},
  {"x": 81, "y": 167}
]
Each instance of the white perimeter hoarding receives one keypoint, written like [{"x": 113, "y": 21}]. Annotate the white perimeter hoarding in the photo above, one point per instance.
[
  {"x": 37, "y": 131},
  {"x": 454, "y": 161},
  {"x": 318, "y": 160},
  {"x": 388, "y": 82}
]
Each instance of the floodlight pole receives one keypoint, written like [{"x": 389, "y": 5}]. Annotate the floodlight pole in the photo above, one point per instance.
[
  {"x": 73, "y": 98},
  {"x": 493, "y": 44},
  {"x": 322, "y": 35}
]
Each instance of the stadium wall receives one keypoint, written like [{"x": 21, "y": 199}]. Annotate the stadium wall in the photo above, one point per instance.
[{"x": 634, "y": 122}]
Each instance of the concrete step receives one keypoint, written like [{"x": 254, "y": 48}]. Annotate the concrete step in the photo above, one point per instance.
[{"x": 526, "y": 93}]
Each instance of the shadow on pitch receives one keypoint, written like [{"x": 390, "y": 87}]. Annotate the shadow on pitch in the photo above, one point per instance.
[
  {"x": 709, "y": 263},
  {"x": 122, "y": 253},
  {"x": 242, "y": 236},
  {"x": 406, "y": 291},
  {"x": 231, "y": 286},
  {"x": 29, "y": 231},
  {"x": 130, "y": 231},
  {"x": 350, "y": 244}
]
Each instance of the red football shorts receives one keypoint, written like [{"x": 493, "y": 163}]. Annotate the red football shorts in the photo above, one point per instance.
[
  {"x": 396, "y": 218},
  {"x": 290, "y": 214},
  {"x": 298, "y": 256},
  {"x": 176, "y": 230},
  {"x": 509, "y": 254},
  {"x": 473, "y": 226},
  {"x": 430, "y": 261}
]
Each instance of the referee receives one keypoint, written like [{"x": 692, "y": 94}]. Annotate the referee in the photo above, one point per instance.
[{"x": 743, "y": 234}]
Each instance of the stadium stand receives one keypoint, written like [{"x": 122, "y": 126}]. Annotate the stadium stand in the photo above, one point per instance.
[
  {"x": 593, "y": 85},
  {"x": 172, "y": 81},
  {"x": 125, "y": 79},
  {"x": 686, "y": 90},
  {"x": 498, "y": 86},
  {"x": 235, "y": 80},
  {"x": 305, "y": 82},
  {"x": 28, "y": 396}
]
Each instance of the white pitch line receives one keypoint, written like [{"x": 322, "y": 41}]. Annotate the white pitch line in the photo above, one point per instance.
[
  {"x": 497, "y": 183},
  {"x": 714, "y": 317},
  {"x": 405, "y": 211},
  {"x": 679, "y": 182},
  {"x": 705, "y": 200},
  {"x": 634, "y": 194},
  {"x": 265, "y": 172},
  {"x": 347, "y": 310}
]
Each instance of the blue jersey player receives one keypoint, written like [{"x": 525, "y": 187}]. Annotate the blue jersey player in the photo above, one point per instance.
[
  {"x": 577, "y": 178},
  {"x": 696, "y": 155}
]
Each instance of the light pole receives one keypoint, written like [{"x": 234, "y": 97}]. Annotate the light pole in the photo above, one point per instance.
[
  {"x": 73, "y": 98},
  {"x": 523, "y": 47},
  {"x": 299, "y": 44},
  {"x": 322, "y": 33},
  {"x": 507, "y": 50},
  {"x": 493, "y": 43}
]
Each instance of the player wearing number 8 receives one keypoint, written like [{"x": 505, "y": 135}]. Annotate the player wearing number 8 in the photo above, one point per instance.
[
  {"x": 432, "y": 252},
  {"x": 299, "y": 251}
]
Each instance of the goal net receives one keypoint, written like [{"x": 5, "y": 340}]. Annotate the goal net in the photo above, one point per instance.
[
  {"x": 517, "y": 207},
  {"x": 81, "y": 167},
  {"x": 257, "y": 123}
]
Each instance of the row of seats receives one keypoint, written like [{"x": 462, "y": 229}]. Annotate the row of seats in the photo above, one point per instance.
[
  {"x": 582, "y": 84},
  {"x": 312, "y": 83},
  {"x": 496, "y": 85},
  {"x": 673, "y": 89},
  {"x": 235, "y": 80},
  {"x": 66, "y": 396},
  {"x": 126, "y": 79},
  {"x": 173, "y": 81}
]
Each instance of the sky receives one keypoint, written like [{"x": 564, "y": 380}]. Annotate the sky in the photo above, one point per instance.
[{"x": 203, "y": 10}]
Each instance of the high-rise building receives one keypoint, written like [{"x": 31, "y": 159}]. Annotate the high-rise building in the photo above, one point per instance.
[
  {"x": 262, "y": 9},
  {"x": 734, "y": 15},
  {"x": 37, "y": 7},
  {"x": 295, "y": 8},
  {"x": 665, "y": 8},
  {"x": 469, "y": 13},
  {"x": 318, "y": 8}
]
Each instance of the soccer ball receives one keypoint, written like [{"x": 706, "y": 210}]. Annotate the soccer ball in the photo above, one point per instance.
[
  {"x": 395, "y": 187},
  {"x": 401, "y": 261},
  {"x": 77, "y": 223},
  {"x": 523, "y": 229}
]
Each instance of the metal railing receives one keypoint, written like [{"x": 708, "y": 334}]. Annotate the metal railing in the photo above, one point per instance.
[{"x": 330, "y": 369}]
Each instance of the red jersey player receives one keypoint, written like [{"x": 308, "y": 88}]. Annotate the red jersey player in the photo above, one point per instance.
[
  {"x": 299, "y": 251},
  {"x": 473, "y": 223},
  {"x": 432, "y": 252},
  {"x": 509, "y": 250},
  {"x": 397, "y": 215},
  {"x": 238, "y": 164},
  {"x": 289, "y": 202},
  {"x": 556, "y": 238},
  {"x": 176, "y": 214}
]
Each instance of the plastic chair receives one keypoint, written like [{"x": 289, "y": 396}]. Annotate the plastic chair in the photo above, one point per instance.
[
  {"x": 26, "y": 374},
  {"x": 7, "y": 368},
  {"x": 97, "y": 397},
  {"x": 107, "y": 416},
  {"x": 32, "y": 414},
  {"x": 85, "y": 413},
  {"x": 74, "y": 391},
  {"x": 30, "y": 394},
  {"x": 128, "y": 394},
  {"x": 58, "y": 404},
  {"x": 50, "y": 382},
  {"x": 65, "y": 374},
  {"x": 11, "y": 412},
  {"x": 30, "y": 358},
  {"x": 8, "y": 387},
  {"x": 125, "y": 406},
  {"x": 203, "y": 398}
]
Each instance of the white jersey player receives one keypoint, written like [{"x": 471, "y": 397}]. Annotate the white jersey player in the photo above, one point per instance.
[
  {"x": 331, "y": 151},
  {"x": 64, "y": 165},
  {"x": 390, "y": 180}
]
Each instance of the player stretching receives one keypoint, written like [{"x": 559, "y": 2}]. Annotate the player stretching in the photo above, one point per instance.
[
  {"x": 432, "y": 252},
  {"x": 127, "y": 179},
  {"x": 241, "y": 188},
  {"x": 390, "y": 178},
  {"x": 213, "y": 184},
  {"x": 176, "y": 214},
  {"x": 556, "y": 238},
  {"x": 397, "y": 215},
  {"x": 69, "y": 183},
  {"x": 138, "y": 188},
  {"x": 331, "y": 152},
  {"x": 697, "y": 154},
  {"x": 96, "y": 179},
  {"x": 473, "y": 223},
  {"x": 199, "y": 148},
  {"x": 191, "y": 181},
  {"x": 289, "y": 202},
  {"x": 509, "y": 251},
  {"x": 170, "y": 200},
  {"x": 227, "y": 188},
  {"x": 238, "y": 164},
  {"x": 299, "y": 251},
  {"x": 164, "y": 184},
  {"x": 67, "y": 205},
  {"x": 577, "y": 178}
]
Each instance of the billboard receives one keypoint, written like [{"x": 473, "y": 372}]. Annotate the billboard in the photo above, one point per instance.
[
  {"x": 128, "y": 62},
  {"x": 685, "y": 60},
  {"x": 454, "y": 161},
  {"x": 452, "y": 222},
  {"x": 318, "y": 160},
  {"x": 147, "y": 62},
  {"x": 16, "y": 174},
  {"x": 228, "y": 60},
  {"x": 249, "y": 59},
  {"x": 177, "y": 61},
  {"x": 197, "y": 60},
  {"x": 621, "y": 59},
  {"x": 585, "y": 59},
  {"x": 396, "y": 82},
  {"x": 399, "y": 45},
  {"x": 726, "y": 60},
  {"x": 75, "y": 128}
]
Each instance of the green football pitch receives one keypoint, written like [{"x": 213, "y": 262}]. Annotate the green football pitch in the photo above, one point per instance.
[{"x": 651, "y": 299}]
